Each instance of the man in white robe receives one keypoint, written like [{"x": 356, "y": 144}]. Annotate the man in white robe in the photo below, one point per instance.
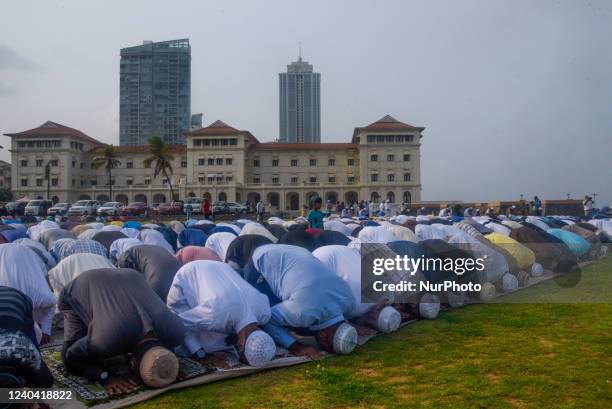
[{"x": 214, "y": 302}]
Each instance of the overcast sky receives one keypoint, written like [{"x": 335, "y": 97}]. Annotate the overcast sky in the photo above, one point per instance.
[{"x": 516, "y": 96}]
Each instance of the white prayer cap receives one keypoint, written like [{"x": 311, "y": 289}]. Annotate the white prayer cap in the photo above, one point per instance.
[
  {"x": 259, "y": 348},
  {"x": 429, "y": 306},
  {"x": 389, "y": 320},
  {"x": 537, "y": 270},
  {"x": 509, "y": 283},
  {"x": 487, "y": 291},
  {"x": 345, "y": 339}
]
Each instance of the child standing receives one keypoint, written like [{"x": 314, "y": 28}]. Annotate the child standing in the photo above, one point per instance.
[{"x": 315, "y": 216}]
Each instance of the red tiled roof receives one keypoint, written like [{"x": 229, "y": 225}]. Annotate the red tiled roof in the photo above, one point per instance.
[
  {"x": 302, "y": 146},
  {"x": 216, "y": 128},
  {"x": 387, "y": 123},
  {"x": 50, "y": 128}
]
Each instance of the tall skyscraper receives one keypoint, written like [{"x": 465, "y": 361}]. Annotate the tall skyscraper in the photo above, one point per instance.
[
  {"x": 155, "y": 92},
  {"x": 300, "y": 103}
]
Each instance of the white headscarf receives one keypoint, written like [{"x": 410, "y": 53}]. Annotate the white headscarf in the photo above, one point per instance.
[
  {"x": 155, "y": 238},
  {"x": 219, "y": 243},
  {"x": 256, "y": 228},
  {"x": 72, "y": 266}
]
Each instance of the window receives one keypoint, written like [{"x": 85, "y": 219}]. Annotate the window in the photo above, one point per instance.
[
  {"x": 275, "y": 162},
  {"x": 54, "y": 162},
  {"x": 407, "y": 177},
  {"x": 219, "y": 161},
  {"x": 39, "y": 163},
  {"x": 211, "y": 161},
  {"x": 275, "y": 179},
  {"x": 350, "y": 179},
  {"x": 94, "y": 182},
  {"x": 313, "y": 162},
  {"x": 200, "y": 179},
  {"x": 54, "y": 182},
  {"x": 294, "y": 162},
  {"x": 229, "y": 178},
  {"x": 331, "y": 162},
  {"x": 82, "y": 165},
  {"x": 39, "y": 182},
  {"x": 129, "y": 182},
  {"x": 144, "y": 165},
  {"x": 200, "y": 162},
  {"x": 74, "y": 163},
  {"x": 210, "y": 180},
  {"x": 373, "y": 158},
  {"x": 24, "y": 162},
  {"x": 390, "y": 158},
  {"x": 129, "y": 165},
  {"x": 390, "y": 177},
  {"x": 24, "y": 182},
  {"x": 147, "y": 181},
  {"x": 183, "y": 163},
  {"x": 331, "y": 179},
  {"x": 406, "y": 157},
  {"x": 350, "y": 162},
  {"x": 312, "y": 179},
  {"x": 256, "y": 163},
  {"x": 228, "y": 161},
  {"x": 294, "y": 179},
  {"x": 374, "y": 177},
  {"x": 164, "y": 181},
  {"x": 256, "y": 179}
]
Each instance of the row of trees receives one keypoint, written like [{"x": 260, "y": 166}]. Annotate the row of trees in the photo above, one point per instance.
[{"x": 160, "y": 155}]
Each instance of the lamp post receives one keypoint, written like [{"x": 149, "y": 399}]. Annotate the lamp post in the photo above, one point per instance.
[{"x": 48, "y": 177}]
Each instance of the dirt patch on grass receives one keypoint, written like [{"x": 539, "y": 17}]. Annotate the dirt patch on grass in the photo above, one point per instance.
[
  {"x": 514, "y": 402},
  {"x": 494, "y": 378}
]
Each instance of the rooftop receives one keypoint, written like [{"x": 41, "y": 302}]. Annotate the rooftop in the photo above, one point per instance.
[{"x": 50, "y": 128}]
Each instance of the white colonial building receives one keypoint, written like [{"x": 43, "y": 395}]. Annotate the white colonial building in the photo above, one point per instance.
[{"x": 382, "y": 161}]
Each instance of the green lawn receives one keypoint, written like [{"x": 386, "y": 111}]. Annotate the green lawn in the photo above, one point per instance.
[{"x": 498, "y": 355}]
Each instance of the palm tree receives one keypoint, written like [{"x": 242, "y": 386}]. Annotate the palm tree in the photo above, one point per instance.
[
  {"x": 106, "y": 156},
  {"x": 161, "y": 154}
]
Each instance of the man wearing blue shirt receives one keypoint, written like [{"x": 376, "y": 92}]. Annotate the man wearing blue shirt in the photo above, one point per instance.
[{"x": 304, "y": 295}]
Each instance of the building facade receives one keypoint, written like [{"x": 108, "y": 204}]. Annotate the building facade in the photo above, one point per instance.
[
  {"x": 299, "y": 104},
  {"x": 155, "y": 92},
  {"x": 5, "y": 175},
  {"x": 219, "y": 162}
]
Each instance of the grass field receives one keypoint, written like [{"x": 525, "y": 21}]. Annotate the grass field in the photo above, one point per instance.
[{"x": 545, "y": 355}]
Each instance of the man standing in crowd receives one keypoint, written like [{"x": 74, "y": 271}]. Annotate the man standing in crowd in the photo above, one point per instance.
[
  {"x": 260, "y": 209},
  {"x": 587, "y": 204}
]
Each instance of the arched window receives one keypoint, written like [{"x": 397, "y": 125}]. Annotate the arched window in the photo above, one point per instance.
[
  {"x": 222, "y": 197},
  {"x": 375, "y": 197},
  {"x": 407, "y": 197}
]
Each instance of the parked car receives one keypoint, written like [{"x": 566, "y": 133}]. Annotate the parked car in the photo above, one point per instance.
[
  {"x": 219, "y": 207},
  {"x": 196, "y": 204},
  {"x": 135, "y": 209},
  {"x": 110, "y": 209},
  {"x": 84, "y": 208},
  {"x": 236, "y": 208},
  {"x": 59, "y": 209},
  {"x": 37, "y": 207},
  {"x": 15, "y": 208},
  {"x": 170, "y": 208}
]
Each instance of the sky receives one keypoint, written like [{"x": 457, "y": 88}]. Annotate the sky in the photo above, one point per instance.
[{"x": 515, "y": 96}]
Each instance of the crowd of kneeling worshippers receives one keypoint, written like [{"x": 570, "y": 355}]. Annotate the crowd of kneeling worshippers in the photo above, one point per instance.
[{"x": 198, "y": 289}]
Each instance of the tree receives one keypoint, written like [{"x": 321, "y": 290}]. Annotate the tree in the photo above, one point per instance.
[
  {"x": 107, "y": 157},
  {"x": 160, "y": 153}
]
